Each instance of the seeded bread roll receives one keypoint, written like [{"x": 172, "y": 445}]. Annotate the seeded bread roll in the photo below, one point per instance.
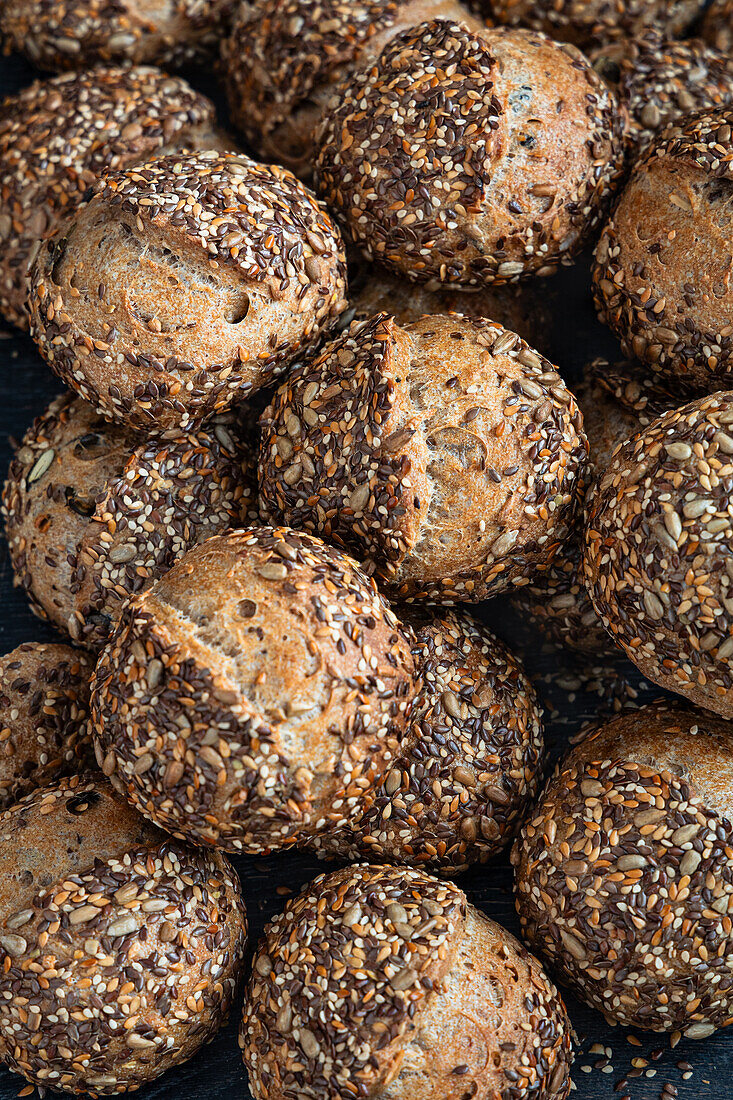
[
  {"x": 624, "y": 879},
  {"x": 70, "y": 34},
  {"x": 57, "y": 136},
  {"x": 252, "y": 696},
  {"x": 470, "y": 763},
  {"x": 141, "y": 942},
  {"x": 285, "y": 60},
  {"x": 94, "y": 513},
  {"x": 383, "y": 982},
  {"x": 184, "y": 284},
  {"x": 659, "y": 551},
  {"x": 586, "y": 21},
  {"x": 717, "y": 25},
  {"x": 471, "y": 158},
  {"x": 44, "y": 717},
  {"x": 658, "y": 80},
  {"x": 525, "y": 309},
  {"x": 448, "y": 451},
  {"x": 661, "y": 277}
]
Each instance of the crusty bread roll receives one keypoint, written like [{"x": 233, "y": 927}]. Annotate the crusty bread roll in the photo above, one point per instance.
[
  {"x": 470, "y": 158},
  {"x": 71, "y": 34},
  {"x": 285, "y": 60},
  {"x": 585, "y": 22},
  {"x": 468, "y": 766},
  {"x": 624, "y": 879},
  {"x": 658, "y": 557},
  {"x": 446, "y": 450},
  {"x": 94, "y": 513},
  {"x": 661, "y": 277},
  {"x": 120, "y": 949},
  {"x": 184, "y": 284},
  {"x": 251, "y": 696},
  {"x": 385, "y": 983},
  {"x": 44, "y": 717},
  {"x": 56, "y": 138}
]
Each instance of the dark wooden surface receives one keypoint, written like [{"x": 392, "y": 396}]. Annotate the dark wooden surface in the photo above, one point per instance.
[{"x": 573, "y": 695}]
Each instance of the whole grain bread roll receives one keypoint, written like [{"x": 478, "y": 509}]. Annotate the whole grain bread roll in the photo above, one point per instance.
[
  {"x": 468, "y": 766},
  {"x": 44, "y": 717},
  {"x": 624, "y": 880},
  {"x": 57, "y": 136},
  {"x": 661, "y": 277},
  {"x": 183, "y": 285},
  {"x": 384, "y": 982},
  {"x": 251, "y": 697},
  {"x": 470, "y": 158},
  {"x": 285, "y": 60},
  {"x": 141, "y": 942},
  {"x": 447, "y": 450},
  {"x": 94, "y": 513},
  {"x": 717, "y": 25},
  {"x": 585, "y": 22},
  {"x": 71, "y": 34},
  {"x": 658, "y": 559}
]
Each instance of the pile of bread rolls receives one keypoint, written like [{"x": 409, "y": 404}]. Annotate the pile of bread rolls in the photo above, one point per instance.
[{"x": 313, "y": 421}]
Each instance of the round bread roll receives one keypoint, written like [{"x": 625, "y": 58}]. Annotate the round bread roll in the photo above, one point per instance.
[
  {"x": 658, "y": 557},
  {"x": 94, "y": 513},
  {"x": 446, "y": 450},
  {"x": 70, "y": 34},
  {"x": 384, "y": 982},
  {"x": 526, "y": 309},
  {"x": 717, "y": 25},
  {"x": 285, "y": 60},
  {"x": 661, "y": 277},
  {"x": 585, "y": 22},
  {"x": 624, "y": 880},
  {"x": 141, "y": 942},
  {"x": 44, "y": 717},
  {"x": 470, "y": 763},
  {"x": 252, "y": 696},
  {"x": 658, "y": 80},
  {"x": 57, "y": 136},
  {"x": 468, "y": 158},
  {"x": 182, "y": 285}
]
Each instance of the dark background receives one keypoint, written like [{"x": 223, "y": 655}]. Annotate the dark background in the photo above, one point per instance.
[{"x": 573, "y": 694}]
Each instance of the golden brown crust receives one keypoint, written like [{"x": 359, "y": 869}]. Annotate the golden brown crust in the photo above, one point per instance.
[
  {"x": 255, "y": 693},
  {"x": 586, "y": 21},
  {"x": 624, "y": 877},
  {"x": 98, "y": 893},
  {"x": 658, "y": 557},
  {"x": 518, "y": 199},
  {"x": 433, "y": 990},
  {"x": 58, "y": 135},
  {"x": 94, "y": 513},
  {"x": 44, "y": 717},
  {"x": 183, "y": 285},
  {"x": 72, "y": 34},
  {"x": 434, "y": 448}
]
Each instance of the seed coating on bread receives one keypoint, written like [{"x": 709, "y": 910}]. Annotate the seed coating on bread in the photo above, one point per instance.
[
  {"x": 585, "y": 22},
  {"x": 624, "y": 877},
  {"x": 141, "y": 942},
  {"x": 383, "y": 982},
  {"x": 717, "y": 25},
  {"x": 659, "y": 551},
  {"x": 184, "y": 284},
  {"x": 44, "y": 717},
  {"x": 285, "y": 60},
  {"x": 94, "y": 513},
  {"x": 447, "y": 451},
  {"x": 471, "y": 158},
  {"x": 252, "y": 696},
  {"x": 661, "y": 277},
  {"x": 469, "y": 764},
  {"x": 58, "y": 135},
  {"x": 71, "y": 34}
]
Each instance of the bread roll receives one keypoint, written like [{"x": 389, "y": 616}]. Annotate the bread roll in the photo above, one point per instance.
[
  {"x": 624, "y": 876},
  {"x": 182, "y": 285},
  {"x": 586, "y": 21}
]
